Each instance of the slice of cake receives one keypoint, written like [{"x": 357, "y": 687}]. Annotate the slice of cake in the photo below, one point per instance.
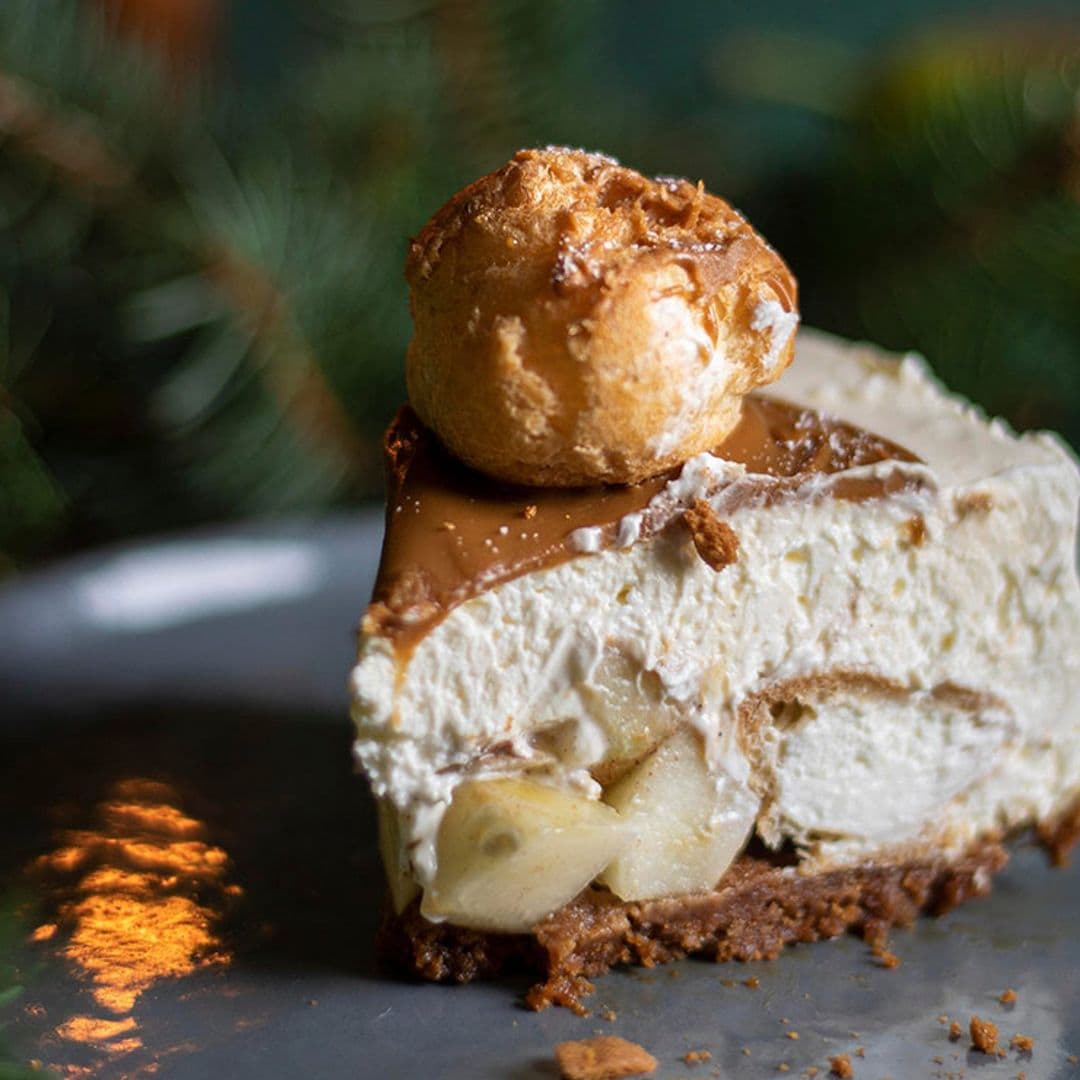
[{"x": 676, "y": 663}]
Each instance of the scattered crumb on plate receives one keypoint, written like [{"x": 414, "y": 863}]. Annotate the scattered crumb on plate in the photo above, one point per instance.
[
  {"x": 841, "y": 1066},
  {"x": 605, "y": 1057},
  {"x": 984, "y": 1035},
  {"x": 886, "y": 958}
]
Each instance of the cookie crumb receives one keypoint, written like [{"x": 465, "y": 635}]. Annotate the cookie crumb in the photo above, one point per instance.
[
  {"x": 1008, "y": 997},
  {"x": 812, "y": 1071},
  {"x": 693, "y": 1057},
  {"x": 984, "y": 1035},
  {"x": 860, "y": 1051},
  {"x": 841, "y": 1066},
  {"x": 955, "y": 1031},
  {"x": 942, "y": 1019},
  {"x": 715, "y": 540},
  {"x": 915, "y": 530},
  {"x": 887, "y": 958},
  {"x": 605, "y": 1057},
  {"x": 975, "y": 502},
  {"x": 791, "y": 1035},
  {"x": 753, "y": 982},
  {"x": 610, "y": 1015},
  {"x": 1072, "y": 1059},
  {"x": 529, "y": 512},
  {"x": 783, "y": 1067},
  {"x": 1024, "y": 1043},
  {"x": 746, "y": 1051},
  {"x": 727, "y": 982}
]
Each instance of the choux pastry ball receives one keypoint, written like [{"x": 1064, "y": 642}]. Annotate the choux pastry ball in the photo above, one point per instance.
[{"x": 577, "y": 323}]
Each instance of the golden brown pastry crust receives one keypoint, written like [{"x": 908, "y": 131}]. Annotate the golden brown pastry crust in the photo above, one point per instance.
[{"x": 579, "y": 323}]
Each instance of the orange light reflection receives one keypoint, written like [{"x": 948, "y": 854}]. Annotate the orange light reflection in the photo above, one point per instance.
[{"x": 142, "y": 896}]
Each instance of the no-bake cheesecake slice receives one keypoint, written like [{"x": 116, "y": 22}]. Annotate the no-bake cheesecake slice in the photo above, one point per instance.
[{"x": 804, "y": 680}]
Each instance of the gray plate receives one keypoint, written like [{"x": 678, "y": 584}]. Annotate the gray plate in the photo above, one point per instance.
[{"x": 191, "y": 889}]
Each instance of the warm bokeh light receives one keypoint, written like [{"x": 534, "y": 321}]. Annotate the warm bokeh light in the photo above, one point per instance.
[
  {"x": 97, "y": 1031},
  {"x": 140, "y": 897}
]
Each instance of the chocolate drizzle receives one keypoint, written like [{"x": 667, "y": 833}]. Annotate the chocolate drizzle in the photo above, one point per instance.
[{"x": 452, "y": 532}]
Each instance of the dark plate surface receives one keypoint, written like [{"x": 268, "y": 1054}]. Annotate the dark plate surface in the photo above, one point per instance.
[{"x": 190, "y": 886}]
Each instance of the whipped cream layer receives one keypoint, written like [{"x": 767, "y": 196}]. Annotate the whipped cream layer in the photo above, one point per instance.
[{"x": 953, "y": 591}]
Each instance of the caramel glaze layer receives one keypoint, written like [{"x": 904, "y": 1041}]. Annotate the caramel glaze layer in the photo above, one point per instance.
[{"x": 452, "y": 533}]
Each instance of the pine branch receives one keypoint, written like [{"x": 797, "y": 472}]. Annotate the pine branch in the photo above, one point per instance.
[
  {"x": 82, "y": 158},
  {"x": 68, "y": 145},
  {"x": 75, "y": 156}
]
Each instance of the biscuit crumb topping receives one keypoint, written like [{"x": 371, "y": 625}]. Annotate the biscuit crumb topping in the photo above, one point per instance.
[{"x": 714, "y": 539}]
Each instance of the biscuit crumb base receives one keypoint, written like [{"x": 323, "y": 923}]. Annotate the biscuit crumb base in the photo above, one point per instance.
[
  {"x": 756, "y": 911},
  {"x": 605, "y": 1057},
  {"x": 1024, "y": 1043},
  {"x": 1008, "y": 997}
]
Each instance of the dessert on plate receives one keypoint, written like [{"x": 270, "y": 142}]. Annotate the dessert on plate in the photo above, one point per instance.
[{"x": 689, "y": 637}]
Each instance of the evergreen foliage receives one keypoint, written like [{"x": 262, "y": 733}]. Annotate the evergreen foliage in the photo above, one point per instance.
[{"x": 958, "y": 194}]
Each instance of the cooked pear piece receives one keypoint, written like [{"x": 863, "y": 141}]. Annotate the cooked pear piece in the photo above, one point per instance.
[
  {"x": 511, "y": 851},
  {"x": 402, "y": 885},
  {"x": 628, "y": 704},
  {"x": 687, "y": 823}
]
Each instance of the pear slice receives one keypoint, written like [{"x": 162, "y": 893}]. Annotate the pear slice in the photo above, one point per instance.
[
  {"x": 628, "y": 704},
  {"x": 688, "y": 824},
  {"x": 512, "y": 851},
  {"x": 399, "y": 878}
]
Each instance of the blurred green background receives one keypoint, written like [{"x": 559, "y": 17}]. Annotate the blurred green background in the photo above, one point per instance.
[{"x": 205, "y": 206}]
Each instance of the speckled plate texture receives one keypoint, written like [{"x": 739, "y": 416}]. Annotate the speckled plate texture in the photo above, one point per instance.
[{"x": 189, "y": 885}]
